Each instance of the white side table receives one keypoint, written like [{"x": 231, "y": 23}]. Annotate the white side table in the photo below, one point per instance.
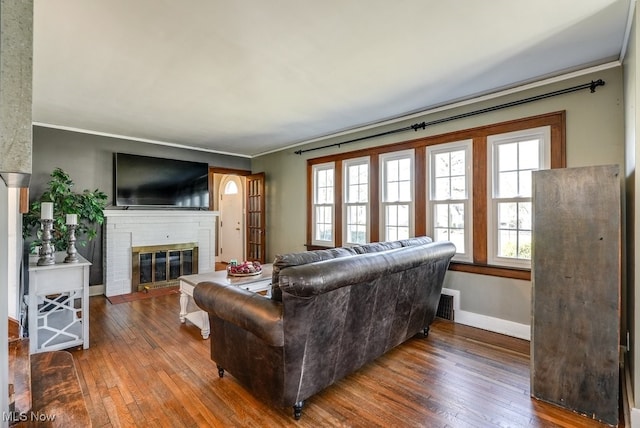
[
  {"x": 58, "y": 304},
  {"x": 200, "y": 318}
]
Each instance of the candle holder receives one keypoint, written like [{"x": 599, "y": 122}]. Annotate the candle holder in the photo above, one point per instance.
[
  {"x": 72, "y": 254},
  {"x": 46, "y": 250}
]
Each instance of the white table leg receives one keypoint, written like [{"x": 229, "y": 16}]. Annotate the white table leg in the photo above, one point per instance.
[
  {"x": 184, "y": 301},
  {"x": 206, "y": 330}
]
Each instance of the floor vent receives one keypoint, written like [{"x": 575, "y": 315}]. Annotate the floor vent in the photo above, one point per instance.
[{"x": 445, "y": 307}]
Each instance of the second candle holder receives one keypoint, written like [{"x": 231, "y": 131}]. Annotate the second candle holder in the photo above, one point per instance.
[{"x": 72, "y": 253}]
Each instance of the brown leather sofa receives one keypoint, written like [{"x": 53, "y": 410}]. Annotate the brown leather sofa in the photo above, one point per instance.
[{"x": 331, "y": 312}]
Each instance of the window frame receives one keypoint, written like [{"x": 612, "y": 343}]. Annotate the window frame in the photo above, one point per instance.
[
  {"x": 365, "y": 160},
  {"x": 384, "y": 204},
  {"x": 317, "y": 168},
  {"x": 556, "y": 120},
  {"x": 432, "y": 201},
  {"x": 543, "y": 134}
]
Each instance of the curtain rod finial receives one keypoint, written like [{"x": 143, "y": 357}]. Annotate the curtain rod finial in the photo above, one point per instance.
[{"x": 595, "y": 84}]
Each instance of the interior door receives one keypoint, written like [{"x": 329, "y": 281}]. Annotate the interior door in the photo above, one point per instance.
[
  {"x": 231, "y": 239},
  {"x": 255, "y": 217}
]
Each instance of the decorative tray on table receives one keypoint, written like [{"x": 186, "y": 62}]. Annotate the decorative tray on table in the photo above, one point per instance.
[{"x": 244, "y": 269}]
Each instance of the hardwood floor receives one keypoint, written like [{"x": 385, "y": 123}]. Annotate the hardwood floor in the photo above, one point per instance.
[{"x": 145, "y": 368}]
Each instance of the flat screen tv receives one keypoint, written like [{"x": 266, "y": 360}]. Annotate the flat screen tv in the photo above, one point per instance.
[{"x": 145, "y": 181}]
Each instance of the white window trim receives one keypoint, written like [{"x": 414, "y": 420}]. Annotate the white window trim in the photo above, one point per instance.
[
  {"x": 314, "y": 241},
  {"x": 403, "y": 154},
  {"x": 467, "y": 146},
  {"x": 543, "y": 133},
  {"x": 366, "y": 160}
]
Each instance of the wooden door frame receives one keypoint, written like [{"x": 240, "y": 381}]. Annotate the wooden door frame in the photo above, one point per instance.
[{"x": 212, "y": 193}]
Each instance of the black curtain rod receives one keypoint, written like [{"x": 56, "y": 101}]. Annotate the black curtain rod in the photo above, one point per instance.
[{"x": 592, "y": 86}]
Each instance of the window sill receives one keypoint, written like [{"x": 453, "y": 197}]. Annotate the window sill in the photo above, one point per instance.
[
  {"x": 313, "y": 247},
  {"x": 523, "y": 274}
]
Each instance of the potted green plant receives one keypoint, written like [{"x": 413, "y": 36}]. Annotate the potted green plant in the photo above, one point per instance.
[{"x": 87, "y": 205}]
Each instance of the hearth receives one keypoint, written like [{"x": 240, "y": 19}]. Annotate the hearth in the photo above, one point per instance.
[{"x": 157, "y": 266}]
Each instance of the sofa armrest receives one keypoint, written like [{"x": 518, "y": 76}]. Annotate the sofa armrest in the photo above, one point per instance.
[{"x": 245, "y": 309}]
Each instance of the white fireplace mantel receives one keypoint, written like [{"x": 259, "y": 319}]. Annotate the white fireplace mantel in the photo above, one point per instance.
[{"x": 125, "y": 229}]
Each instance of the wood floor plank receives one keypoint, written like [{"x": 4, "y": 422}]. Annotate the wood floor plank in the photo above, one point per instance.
[
  {"x": 124, "y": 415},
  {"x": 95, "y": 405},
  {"x": 144, "y": 368}
]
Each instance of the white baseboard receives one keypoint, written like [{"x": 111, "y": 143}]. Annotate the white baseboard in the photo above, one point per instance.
[
  {"x": 497, "y": 325},
  {"x": 96, "y": 290}
]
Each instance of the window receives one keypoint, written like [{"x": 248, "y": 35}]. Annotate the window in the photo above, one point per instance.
[
  {"x": 471, "y": 187},
  {"x": 323, "y": 204},
  {"x": 397, "y": 195},
  {"x": 449, "y": 196},
  {"x": 356, "y": 201},
  {"x": 513, "y": 157},
  {"x": 231, "y": 188}
]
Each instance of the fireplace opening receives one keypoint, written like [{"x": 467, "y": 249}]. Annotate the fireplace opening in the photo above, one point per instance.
[{"x": 158, "y": 266}]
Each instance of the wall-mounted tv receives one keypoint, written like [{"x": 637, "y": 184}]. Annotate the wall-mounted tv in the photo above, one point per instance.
[{"x": 145, "y": 181}]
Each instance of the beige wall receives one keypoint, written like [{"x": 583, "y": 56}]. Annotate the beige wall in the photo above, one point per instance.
[
  {"x": 632, "y": 299},
  {"x": 595, "y": 136}
]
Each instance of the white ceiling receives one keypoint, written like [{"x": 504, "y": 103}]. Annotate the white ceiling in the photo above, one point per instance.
[{"x": 251, "y": 76}]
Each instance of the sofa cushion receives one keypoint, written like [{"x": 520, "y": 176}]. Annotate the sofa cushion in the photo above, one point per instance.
[
  {"x": 376, "y": 247},
  {"x": 419, "y": 240},
  {"x": 282, "y": 261}
]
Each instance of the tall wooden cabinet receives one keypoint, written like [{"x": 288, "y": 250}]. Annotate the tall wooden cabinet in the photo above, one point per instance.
[{"x": 576, "y": 274}]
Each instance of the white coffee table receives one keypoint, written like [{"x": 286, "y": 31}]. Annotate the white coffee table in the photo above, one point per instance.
[{"x": 200, "y": 318}]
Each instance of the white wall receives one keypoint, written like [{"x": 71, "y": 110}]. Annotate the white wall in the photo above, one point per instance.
[
  {"x": 505, "y": 310},
  {"x": 4, "y": 285},
  {"x": 14, "y": 257}
]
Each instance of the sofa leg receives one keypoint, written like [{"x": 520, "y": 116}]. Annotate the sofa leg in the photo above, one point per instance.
[
  {"x": 425, "y": 331},
  {"x": 297, "y": 410},
  {"x": 220, "y": 371}
]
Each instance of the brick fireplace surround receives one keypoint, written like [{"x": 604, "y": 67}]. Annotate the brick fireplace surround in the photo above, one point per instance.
[{"x": 125, "y": 229}]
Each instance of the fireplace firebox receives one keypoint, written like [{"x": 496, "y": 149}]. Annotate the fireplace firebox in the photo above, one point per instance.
[{"x": 158, "y": 266}]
